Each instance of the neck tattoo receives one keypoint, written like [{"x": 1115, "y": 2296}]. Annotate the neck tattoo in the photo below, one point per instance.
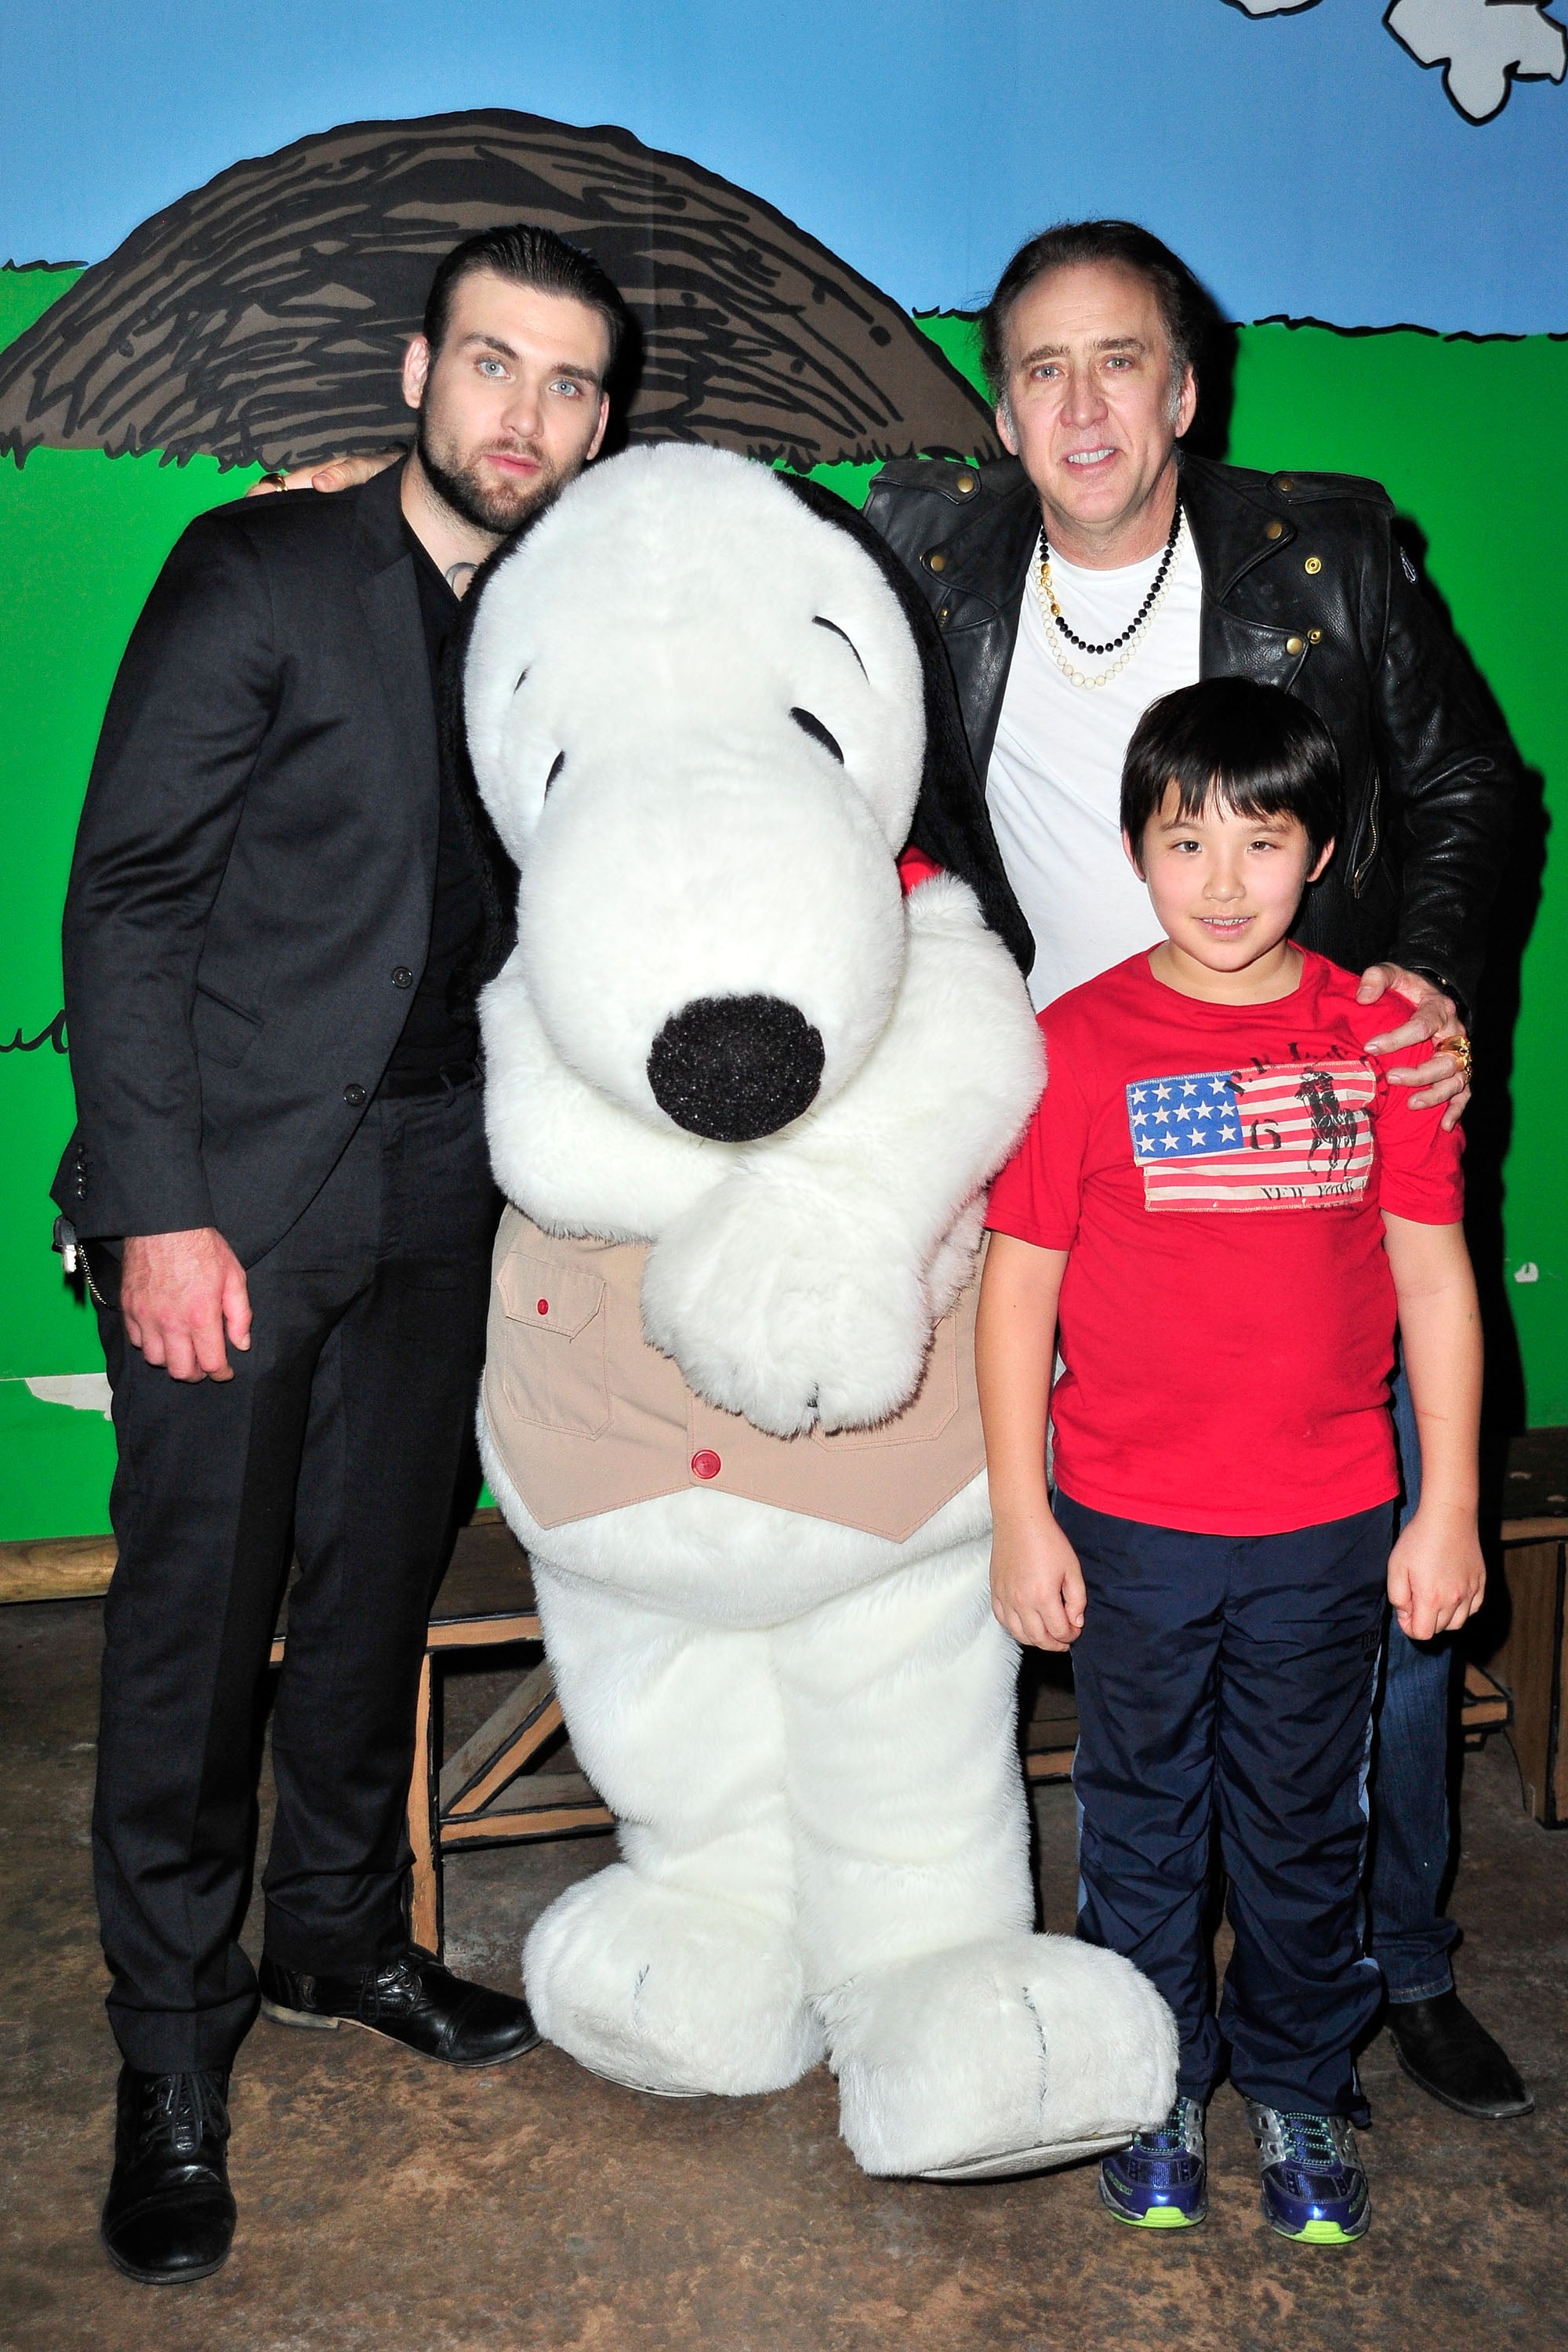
[{"x": 1123, "y": 646}]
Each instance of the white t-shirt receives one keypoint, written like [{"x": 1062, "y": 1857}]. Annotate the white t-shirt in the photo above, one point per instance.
[{"x": 1054, "y": 785}]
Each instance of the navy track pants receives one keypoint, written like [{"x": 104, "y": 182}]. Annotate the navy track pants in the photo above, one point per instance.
[{"x": 1228, "y": 1680}]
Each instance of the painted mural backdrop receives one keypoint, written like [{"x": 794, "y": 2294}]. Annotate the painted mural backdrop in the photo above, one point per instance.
[
  {"x": 261, "y": 319},
  {"x": 258, "y": 319}
]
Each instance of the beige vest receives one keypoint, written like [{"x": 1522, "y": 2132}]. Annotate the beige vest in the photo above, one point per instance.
[{"x": 587, "y": 1417}]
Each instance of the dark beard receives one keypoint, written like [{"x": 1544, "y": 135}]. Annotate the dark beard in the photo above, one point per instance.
[{"x": 466, "y": 494}]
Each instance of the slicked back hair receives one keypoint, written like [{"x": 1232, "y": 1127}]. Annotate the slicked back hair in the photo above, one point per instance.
[
  {"x": 1254, "y": 748},
  {"x": 526, "y": 255},
  {"x": 1187, "y": 312}
]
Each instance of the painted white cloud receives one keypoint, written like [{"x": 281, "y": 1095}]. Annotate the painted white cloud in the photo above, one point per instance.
[
  {"x": 83, "y": 1391},
  {"x": 1483, "y": 45}
]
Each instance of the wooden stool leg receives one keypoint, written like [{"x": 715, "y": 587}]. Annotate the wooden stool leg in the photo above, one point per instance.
[
  {"x": 425, "y": 1818},
  {"x": 1532, "y": 1666}
]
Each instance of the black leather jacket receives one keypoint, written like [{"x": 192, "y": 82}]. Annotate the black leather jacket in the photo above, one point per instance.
[{"x": 1305, "y": 587}]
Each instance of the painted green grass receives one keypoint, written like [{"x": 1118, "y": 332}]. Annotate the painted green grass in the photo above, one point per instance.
[
  {"x": 55, "y": 1465},
  {"x": 81, "y": 538},
  {"x": 1426, "y": 417},
  {"x": 25, "y": 294}
]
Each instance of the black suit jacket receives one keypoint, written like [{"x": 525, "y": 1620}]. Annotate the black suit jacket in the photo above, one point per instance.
[
  {"x": 249, "y": 901},
  {"x": 1305, "y": 587}
]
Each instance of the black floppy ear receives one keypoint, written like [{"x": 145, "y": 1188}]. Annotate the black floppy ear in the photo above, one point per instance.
[
  {"x": 951, "y": 822},
  {"x": 497, "y": 874}
]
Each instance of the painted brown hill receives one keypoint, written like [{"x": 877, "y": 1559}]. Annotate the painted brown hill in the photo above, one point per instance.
[{"x": 262, "y": 318}]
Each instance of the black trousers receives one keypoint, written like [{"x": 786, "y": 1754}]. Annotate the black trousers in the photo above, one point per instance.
[{"x": 339, "y": 1437}]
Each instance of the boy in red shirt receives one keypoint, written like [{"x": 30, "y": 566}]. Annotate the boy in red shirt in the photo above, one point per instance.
[{"x": 1225, "y": 1209}]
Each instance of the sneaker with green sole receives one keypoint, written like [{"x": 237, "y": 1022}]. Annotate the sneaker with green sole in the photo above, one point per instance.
[
  {"x": 1160, "y": 2181},
  {"x": 1313, "y": 2185}
]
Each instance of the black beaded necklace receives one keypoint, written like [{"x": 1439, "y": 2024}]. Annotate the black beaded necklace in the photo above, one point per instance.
[{"x": 1143, "y": 611}]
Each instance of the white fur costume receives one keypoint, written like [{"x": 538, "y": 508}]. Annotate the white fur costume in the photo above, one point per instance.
[{"x": 806, "y": 1731}]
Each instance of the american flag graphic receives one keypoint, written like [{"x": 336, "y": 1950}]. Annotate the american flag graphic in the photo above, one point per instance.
[{"x": 1277, "y": 1135}]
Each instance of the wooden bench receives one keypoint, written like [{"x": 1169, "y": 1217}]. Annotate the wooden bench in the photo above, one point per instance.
[
  {"x": 1519, "y": 1637},
  {"x": 491, "y": 1791},
  {"x": 1530, "y": 1660}
]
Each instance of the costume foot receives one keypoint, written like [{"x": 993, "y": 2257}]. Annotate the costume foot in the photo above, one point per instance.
[
  {"x": 1011, "y": 2055},
  {"x": 667, "y": 1991},
  {"x": 168, "y": 2214},
  {"x": 412, "y": 1999},
  {"x": 1450, "y": 2054}
]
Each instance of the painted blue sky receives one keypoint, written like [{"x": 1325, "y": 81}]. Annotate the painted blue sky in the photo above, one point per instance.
[{"x": 1304, "y": 163}]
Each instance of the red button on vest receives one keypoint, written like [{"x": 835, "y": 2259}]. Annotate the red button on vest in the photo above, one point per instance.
[
  {"x": 706, "y": 1464},
  {"x": 544, "y": 1306}
]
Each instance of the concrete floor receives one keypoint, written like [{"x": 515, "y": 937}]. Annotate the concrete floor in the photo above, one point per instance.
[{"x": 385, "y": 2206}]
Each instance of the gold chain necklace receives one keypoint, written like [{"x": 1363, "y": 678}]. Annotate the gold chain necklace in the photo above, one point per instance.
[{"x": 1131, "y": 637}]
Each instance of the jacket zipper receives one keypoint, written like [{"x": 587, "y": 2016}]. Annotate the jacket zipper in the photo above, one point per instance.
[{"x": 1366, "y": 857}]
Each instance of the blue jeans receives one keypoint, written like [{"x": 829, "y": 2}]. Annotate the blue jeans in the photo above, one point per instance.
[{"x": 1407, "y": 1934}]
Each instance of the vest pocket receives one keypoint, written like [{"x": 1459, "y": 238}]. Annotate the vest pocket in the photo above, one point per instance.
[{"x": 548, "y": 1337}]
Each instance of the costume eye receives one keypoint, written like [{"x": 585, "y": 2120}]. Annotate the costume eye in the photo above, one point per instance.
[
  {"x": 818, "y": 621},
  {"x": 555, "y": 767},
  {"x": 810, "y": 725}
]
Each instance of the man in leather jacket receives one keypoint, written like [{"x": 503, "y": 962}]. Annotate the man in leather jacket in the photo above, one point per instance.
[{"x": 1297, "y": 580}]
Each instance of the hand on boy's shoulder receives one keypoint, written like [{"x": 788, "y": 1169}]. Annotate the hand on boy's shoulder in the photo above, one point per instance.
[{"x": 1432, "y": 1015}]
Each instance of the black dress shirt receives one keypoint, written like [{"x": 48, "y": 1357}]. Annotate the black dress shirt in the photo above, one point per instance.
[{"x": 441, "y": 1032}]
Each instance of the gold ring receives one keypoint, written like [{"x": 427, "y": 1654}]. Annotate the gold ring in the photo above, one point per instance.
[
  {"x": 279, "y": 481},
  {"x": 1463, "y": 1054}
]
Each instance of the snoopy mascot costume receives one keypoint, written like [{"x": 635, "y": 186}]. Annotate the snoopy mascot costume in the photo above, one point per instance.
[{"x": 744, "y": 1094}]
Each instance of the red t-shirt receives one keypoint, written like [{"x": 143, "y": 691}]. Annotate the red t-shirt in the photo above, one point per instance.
[{"x": 1215, "y": 1173}]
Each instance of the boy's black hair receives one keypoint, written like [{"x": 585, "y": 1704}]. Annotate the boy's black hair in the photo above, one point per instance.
[
  {"x": 527, "y": 255},
  {"x": 1253, "y": 748}
]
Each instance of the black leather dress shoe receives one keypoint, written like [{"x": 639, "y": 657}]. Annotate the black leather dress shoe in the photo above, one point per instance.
[
  {"x": 1450, "y": 2053},
  {"x": 168, "y": 2214},
  {"x": 412, "y": 1999}
]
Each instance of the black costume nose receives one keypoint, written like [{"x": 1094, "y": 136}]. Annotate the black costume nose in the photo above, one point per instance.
[{"x": 735, "y": 1067}]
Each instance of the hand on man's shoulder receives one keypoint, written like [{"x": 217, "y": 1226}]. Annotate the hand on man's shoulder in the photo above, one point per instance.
[
  {"x": 243, "y": 541},
  {"x": 306, "y": 514},
  {"x": 334, "y": 474}
]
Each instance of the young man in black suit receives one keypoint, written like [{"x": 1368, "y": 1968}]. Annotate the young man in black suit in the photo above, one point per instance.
[{"x": 280, "y": 1186}]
